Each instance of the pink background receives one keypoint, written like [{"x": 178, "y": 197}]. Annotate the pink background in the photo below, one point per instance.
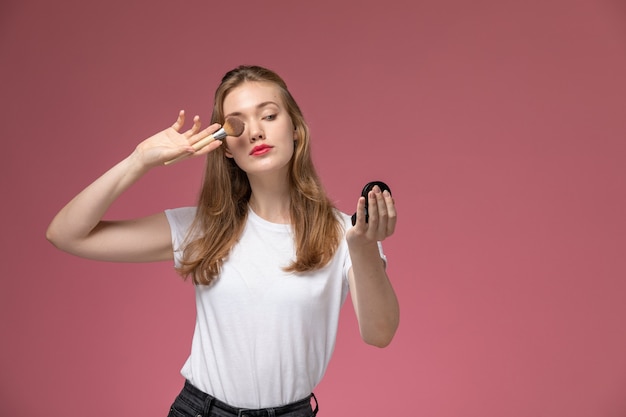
[{"x": 500, "y": 126}]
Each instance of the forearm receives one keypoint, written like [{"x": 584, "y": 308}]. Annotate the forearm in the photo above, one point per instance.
[
  {"x": 84, "y": 212},
  {"x": 79, "y": 227},
  {"x": 375, "y": 301}
]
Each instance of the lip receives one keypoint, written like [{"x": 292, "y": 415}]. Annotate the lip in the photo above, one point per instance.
[{"x": 260, "y": 150}]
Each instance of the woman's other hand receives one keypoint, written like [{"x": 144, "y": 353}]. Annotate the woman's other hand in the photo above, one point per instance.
[
  {"x": 381, "y": 218},
  {"x": 171, "y": 143}
]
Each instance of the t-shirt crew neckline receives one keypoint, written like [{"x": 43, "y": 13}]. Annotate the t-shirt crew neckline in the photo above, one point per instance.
[{"x": 276, "y": 227}]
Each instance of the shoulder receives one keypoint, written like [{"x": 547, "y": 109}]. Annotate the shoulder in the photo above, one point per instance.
[
  {"x": 345, "y": 220},
  {"x": 180, "y": 214},
  {"x": 180, "y": 219}
]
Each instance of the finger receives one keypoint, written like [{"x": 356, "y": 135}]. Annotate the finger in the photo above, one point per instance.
[
  {"x": 209, "y": 148},
  {"x": 383, "y": 215},
  {"x": 360, "y": 224},
  {"x": 211, "y": 129},
  {"x": 195, "y": 128},
  {"x": 180, "y": 121},
  {"x": 373, "y": 215},
  {"x": 205, "y": 133},
  {"x": 391, "y": 212}
]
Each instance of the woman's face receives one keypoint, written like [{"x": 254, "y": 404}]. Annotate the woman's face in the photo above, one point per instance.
[{"x": 267, "y": 143}]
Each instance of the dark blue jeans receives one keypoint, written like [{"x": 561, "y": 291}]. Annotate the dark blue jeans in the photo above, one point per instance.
[{"x": 191, "y": 402}]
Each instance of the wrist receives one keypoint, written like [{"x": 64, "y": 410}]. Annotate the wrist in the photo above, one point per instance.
[
  {"x": 137, "y": 163},
  {"x": 362, "y": 245}
]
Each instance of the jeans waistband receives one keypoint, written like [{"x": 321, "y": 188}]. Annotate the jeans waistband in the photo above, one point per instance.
[{"x": 240, "y": 412}]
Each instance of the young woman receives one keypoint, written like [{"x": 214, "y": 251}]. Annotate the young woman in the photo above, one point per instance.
[{"x": 272, "y": 260}]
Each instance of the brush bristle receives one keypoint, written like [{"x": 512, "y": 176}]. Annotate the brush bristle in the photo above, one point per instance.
[{"x": 234, "y": 126}]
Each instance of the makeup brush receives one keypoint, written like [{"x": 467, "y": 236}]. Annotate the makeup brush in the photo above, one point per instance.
[{"x": 232, "y": 127}]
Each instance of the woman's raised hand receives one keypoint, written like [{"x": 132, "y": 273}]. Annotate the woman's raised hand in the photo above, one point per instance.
[
  {"x": 382, "y": 218},
  {"x": 171, "y": 143}
]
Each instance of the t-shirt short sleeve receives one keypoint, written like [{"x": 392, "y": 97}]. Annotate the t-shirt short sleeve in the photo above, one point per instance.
[{"x": 180, "y": 220}]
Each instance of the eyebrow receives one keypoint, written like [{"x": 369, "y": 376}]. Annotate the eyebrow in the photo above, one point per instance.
[{"x": 258, "y": 106}]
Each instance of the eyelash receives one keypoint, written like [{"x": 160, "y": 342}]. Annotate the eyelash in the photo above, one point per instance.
[{"x": 270, "y": 117}]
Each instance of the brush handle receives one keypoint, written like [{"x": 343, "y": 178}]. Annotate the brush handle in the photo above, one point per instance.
[
  {"x": 202, "y": 143},
  {"x": 220, "y": 134}
]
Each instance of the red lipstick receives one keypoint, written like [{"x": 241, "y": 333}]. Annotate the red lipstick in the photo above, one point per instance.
[{"x": 260, "y": 150}]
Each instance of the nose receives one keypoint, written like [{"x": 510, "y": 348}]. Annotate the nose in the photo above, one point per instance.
[{"x": 255, "y": 131}]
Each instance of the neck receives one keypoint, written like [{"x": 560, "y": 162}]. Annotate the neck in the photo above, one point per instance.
[{"x": 271, "y": 200}]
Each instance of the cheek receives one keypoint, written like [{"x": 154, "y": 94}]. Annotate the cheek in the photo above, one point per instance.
[
  {"x": 232, "y": 146},
  {"x": 294, "y": 145},
  {"x": 293, "y": 149}
]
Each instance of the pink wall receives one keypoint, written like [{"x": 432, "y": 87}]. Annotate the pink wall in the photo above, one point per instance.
[{"x": 500, "y": 126}]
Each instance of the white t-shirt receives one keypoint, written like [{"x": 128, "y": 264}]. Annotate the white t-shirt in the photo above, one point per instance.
[{"x": 263, "y": 337}]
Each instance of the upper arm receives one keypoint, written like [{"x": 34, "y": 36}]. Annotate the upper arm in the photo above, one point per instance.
[{"x": 145, "y": 239}]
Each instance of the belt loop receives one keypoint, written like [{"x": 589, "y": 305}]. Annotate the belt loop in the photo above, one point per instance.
[
  {"x": 208, "y": 401},
  {"x": 316, "y": 405}
]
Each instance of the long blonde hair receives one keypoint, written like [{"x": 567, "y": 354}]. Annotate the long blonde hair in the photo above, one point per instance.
[{"x": 223, "y": 202}]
